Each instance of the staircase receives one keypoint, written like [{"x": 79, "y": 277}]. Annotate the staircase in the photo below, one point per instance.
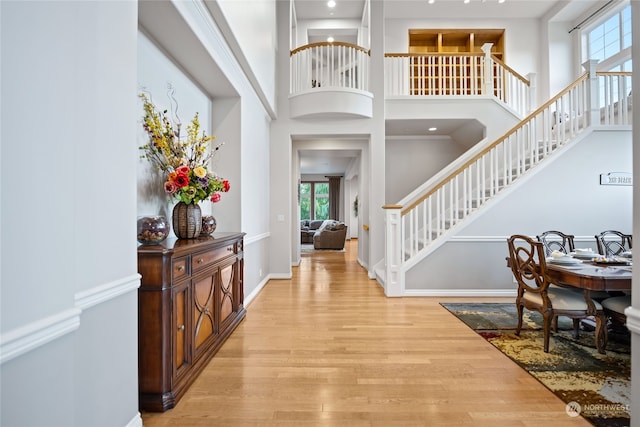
[{"x": 419, "y": 224}]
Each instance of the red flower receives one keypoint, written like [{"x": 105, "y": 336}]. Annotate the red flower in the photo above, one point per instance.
[
  {"x": 183, "y": 169},
  {"x": 215, "y": 197},
  {"x": 226, "y": 185},
  {"x": 182, "y": 180}
]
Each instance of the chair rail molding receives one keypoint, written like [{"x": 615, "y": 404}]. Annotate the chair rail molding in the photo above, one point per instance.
[
  {"x": 35, "y": 334},
  {"x": 28, "y": 337}
]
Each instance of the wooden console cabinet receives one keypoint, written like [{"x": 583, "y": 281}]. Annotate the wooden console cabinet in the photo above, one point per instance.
[{"x": 189, "y": 302}]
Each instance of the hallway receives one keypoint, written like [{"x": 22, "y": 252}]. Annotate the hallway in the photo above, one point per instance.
[{"x": 327, "y": 348}]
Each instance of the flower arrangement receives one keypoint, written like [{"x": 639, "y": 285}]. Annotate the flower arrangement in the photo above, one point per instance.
[{"x": 183, "y": 162}]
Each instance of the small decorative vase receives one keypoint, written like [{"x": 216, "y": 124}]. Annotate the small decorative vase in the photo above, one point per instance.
[
  {"x": 208, "y": 225},
  {"x": 152, "y": 229},
  {"x": 187, "y": 220}
]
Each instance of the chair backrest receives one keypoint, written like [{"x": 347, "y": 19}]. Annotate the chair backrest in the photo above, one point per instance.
[
  {"x": 528, "y": 264},
  {"x": 612, "y": 242},
  {"x": 553, "y": 240}
]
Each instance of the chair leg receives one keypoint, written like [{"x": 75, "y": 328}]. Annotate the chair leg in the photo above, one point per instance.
[
  {"x": 576, "y": 328},
  {"x": 546, "y": 326},
  {"x": 520, "y": 309},
  {"x": 555, "y": 324}
]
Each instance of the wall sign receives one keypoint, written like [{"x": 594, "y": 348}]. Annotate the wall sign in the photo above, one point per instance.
[{"x": 616, "y": 178}]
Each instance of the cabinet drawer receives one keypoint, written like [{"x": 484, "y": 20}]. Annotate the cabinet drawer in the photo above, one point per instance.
[
  {"x": 203, "y": 259},
  {"x": 180, "y": 268}
]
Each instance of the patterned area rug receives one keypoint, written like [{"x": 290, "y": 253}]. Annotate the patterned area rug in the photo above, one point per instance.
[{"x": 596, "y": 386}]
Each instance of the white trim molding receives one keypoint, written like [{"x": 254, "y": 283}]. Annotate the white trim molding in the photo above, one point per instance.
[
  {"x": 460, "y": 293},
  {"x": 633, "y": 319},
  {"x": 249, "y": 298},
  {"x": 135, "y": 421},
  {"x": 35, "y": 334},
  {"x": 253, "y": 239},
  {"x": 99, "y": 294}
]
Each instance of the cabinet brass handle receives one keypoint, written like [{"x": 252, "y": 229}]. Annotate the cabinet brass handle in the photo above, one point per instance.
[
  {"x": 200, "y": 260},
  {"x": 181, "y": 268},
  {"x": 181, "y": 328}
]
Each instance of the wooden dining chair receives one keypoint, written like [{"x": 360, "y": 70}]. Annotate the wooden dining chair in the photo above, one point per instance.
[
  {"x": 613, "y": 243},
  {"x": 614, "y": 309},
  {"x": 553, "y": 240},
  {"x": 536, "y": 292}
]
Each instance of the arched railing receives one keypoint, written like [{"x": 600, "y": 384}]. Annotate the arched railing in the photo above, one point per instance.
[{"x": 329, "y": 65}]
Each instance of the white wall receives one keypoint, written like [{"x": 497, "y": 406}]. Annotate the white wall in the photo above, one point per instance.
[
  {"x": 253, "y": 26},
  {"x": 68, "y": 314},
  {"x": 411, "y": 162},
  {"x": 156, "y": 73}
]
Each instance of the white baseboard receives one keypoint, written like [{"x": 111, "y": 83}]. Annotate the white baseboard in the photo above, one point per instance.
[
  {"x": 255, "y": 292},
  {"x": 460, "y": 293},
  {"x": 135, "y": 421}
]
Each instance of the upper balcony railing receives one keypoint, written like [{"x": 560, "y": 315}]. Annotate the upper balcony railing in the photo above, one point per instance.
[
  {"x": 456, "y": 74},
  {"x": 329, "y": 65}
]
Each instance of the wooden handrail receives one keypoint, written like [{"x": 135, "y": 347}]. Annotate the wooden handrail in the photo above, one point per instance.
[
  {"x": 406, "y": 55},
  {"x": 614, "y": 73},
  {"x": 488, "y": 148},
  {"x": 312, "y": 45},
  {"x": 511, "y": 70}
]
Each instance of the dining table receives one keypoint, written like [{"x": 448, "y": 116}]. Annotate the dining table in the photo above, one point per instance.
[{"x": 592, "y": 276}]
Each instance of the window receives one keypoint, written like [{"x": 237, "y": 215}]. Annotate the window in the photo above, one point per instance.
[
  {"x": 610, "y": 41},
  {"x": 314, "y": 200}
]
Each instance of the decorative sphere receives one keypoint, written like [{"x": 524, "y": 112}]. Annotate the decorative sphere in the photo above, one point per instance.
[
  {"x": 152, "y": 229},
  {"x": 208, "y": 225}
]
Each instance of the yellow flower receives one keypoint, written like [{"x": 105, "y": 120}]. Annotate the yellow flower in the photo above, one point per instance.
[{"x": 200, "y": 172}]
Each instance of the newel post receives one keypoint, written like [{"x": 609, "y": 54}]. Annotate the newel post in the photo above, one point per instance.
[
  {"x": 393, "y": 280},
  {"x": 488, "y": 69},
  {"x": 594, "y": 92}
]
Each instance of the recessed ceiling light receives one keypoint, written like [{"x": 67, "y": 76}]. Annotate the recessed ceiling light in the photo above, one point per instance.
[
  {"x": 501, "y": 1},
  {"x": 331, "y": 4},
  {"x": 433, "y": 129},
  {"x": 466, "y": 1},
  {"x": 432, "y": 1},
  {"x": 330, "y": 39}
]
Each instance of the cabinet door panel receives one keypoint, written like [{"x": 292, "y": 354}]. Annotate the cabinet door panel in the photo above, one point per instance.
[
  {"x": 227, "y": 280},
  {"x": 181, "y": 356},
  {"x": 204, "y": 325}
]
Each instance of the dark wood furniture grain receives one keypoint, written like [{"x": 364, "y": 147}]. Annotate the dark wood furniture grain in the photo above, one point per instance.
[
  {"x": 613, "y": 243},
  {"x": 537, "y": 290},
  {"x": 553, "y": 240},
  {"x": 590, "y": 277},
  {"x": 189, "y": 302}
]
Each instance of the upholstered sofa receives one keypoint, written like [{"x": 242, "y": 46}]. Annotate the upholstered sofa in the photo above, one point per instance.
[
  {"x": 308, "y": 228},
  {"x": 331, "y": 235}
]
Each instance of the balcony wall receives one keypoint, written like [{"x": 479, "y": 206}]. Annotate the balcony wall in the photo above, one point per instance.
[{"x": 330, "y": 80}]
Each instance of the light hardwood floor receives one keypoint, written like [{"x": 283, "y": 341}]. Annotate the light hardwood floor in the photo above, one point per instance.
[{"x": 327, "y": 348}]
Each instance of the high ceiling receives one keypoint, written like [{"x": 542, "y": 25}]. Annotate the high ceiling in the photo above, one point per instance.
[
  {"x": 476, "y": 9},
  {"x": 334, "y": 162}
]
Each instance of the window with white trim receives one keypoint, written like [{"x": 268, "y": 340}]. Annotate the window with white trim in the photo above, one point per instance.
[{"x": 609, "y": 41}]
